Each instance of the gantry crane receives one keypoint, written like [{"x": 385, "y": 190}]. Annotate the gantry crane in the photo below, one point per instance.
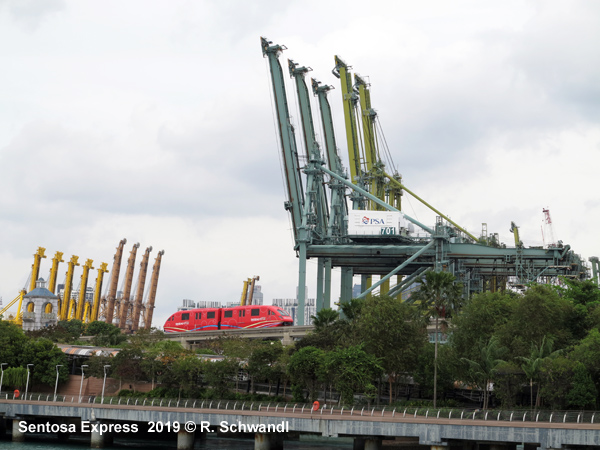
[
  {"x": 91, "y": 317},
  {"x": 108, "y": 302},
  {"x": 443, "y": 246},
  {"x": 124, "y": 303},
  {"x": 81, "y": 300},
  {"x": 139, "y": 291},
  {"x": 148, "y": 309},
  {"x": 66, "y": 298}
]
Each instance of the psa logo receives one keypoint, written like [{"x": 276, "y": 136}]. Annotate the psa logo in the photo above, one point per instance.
[{"x": 367, "y": 221}]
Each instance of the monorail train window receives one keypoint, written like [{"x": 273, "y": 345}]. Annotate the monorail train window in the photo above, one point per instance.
[
  {"x": 282, "y": 312},
  {"x": 255, "y": 312},
  {"x": 185, "y": 316},
  {"x": 198, "y": 316},
  {"x": 172, "y": 318},
  {"x": 228, "y": 313},
  {"x": 242, "y": 312},
  {"x": 210, "y": 315},
  {"x": 271, "y": 313}
]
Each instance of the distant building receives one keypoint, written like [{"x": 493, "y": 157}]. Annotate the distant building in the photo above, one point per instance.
[
  {"x": 40, "y": 308},
  {"x": 291, "y": 306}
]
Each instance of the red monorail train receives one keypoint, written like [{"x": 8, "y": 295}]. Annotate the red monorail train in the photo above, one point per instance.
[{"x": 205, "y": 319}]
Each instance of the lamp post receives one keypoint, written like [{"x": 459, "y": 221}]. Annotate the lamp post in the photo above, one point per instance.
[
  {"x": 56, "y": 384},
  {"x": 2, "y": 376},
  {"x": 104, "y": 382},
  {"x": 81, "y": 385},
  {"x": 27, "y": 384}
]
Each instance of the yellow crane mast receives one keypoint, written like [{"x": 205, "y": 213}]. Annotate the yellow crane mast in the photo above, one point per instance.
[
  {"x": 97, "y": 293},
  {"x": 124, "y": 306},
  {"x": 248, "y": 291},
  {"x": 82, "y": 290},
  {"x": 109, "y": 302},
  {"x": 65, "y": 301},
  {"x": 139, "y": 292},
  {"x": 54, "y": 271},
  {"x": 148, "y": 310},
  {"x": 35, "y": 268}
]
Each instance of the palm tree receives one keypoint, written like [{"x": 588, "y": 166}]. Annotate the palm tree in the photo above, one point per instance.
[
  {"x": 485, "y": 367},
  {"x": 325, "y": 317},
  {"x": 531, "y": 366},
  {"x": 439, "y": 296}
]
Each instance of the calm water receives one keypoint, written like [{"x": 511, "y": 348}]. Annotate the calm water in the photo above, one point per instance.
[{"x": 133, "y": 444}]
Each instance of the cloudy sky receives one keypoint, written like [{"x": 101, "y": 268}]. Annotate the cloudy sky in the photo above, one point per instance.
[{"x": 152, "y": 121}]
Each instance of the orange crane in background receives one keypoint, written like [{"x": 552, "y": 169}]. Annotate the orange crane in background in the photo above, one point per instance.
[
  {"x": 148, "y": 309},
  {"x": 65, "y": 301},
  {"x": 124, "y": 304},
  {"x": 87, "y": 317},
  {"x": 108, "y": 302},
  {"x": 139, "y": 291},
  {"x": 248, "y": 291},
  {"x": 82, "y": 290}
]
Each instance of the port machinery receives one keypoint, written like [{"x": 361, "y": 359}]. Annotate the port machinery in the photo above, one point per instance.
[
  {"x": 326, "y": 205},
  {"x": 126, "y": 311}
]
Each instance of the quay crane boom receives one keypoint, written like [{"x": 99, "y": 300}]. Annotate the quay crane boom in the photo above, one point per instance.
[
  {"x": 149, "y": 306},
  {"x": 139, "y": 292},
  {"x": 109, "y": 308},
  {"x": 124, "y": 307}
]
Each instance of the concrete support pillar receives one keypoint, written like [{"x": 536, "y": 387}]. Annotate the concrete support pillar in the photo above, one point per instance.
[
  {"x": 97, "y": 440},
  {"x": 268, "y": 441},
  {"x": 185, "y": 440},
  {"x": 359, "y": 444},
  {"x": 17, "y": 434},
  {"x": 372, "y": 444}
]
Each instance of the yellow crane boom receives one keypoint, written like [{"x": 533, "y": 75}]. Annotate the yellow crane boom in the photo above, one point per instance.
[
  {"x": 82, "y": 289},
  {"x": 35, "y": 268},
  {"x": 65, "y": 301},
  {"x": 97, "y": 293},
  {"x": 54, "y": 271}
]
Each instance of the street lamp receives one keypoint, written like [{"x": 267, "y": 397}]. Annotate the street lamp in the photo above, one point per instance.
[
  {"x": 104, "y": 382},
  {"x": 27, "y": 384},
  {"x": 81, "y": 385},
  {"x": 2, "y": 376},
  {"x": 56, "y": 384}
]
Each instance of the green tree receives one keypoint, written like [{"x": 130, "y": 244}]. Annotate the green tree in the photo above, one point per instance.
[
  {"x": 588, "y": 353},
  {"x": 325, "y": 318},
  {"x": 187, "y": 371},
  {"x": 105, "y": 334},
  {"x": 392, "y": 332},
  {"x": 352, "y": 369},
  {"x": 583, "y": 393},
  {"x": 484, "y": 368},
  {"x": 12, "y": 342},
  {"x": 556, "y": 380},
  {"x": 45, "y": 356},
  {"x": 73, "y": 327},
  {"x": 262, "y": 364},
  {"x": 532, "y": 365},
  {"x": 439, "y": 296},
  {"x": 221, "y": 375},
  {"x": 305, "y": 367}
]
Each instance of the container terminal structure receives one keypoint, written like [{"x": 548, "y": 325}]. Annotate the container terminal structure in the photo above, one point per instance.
[
  {"x": 128, "y": 312},
  {"x": 355, "y": 222}
]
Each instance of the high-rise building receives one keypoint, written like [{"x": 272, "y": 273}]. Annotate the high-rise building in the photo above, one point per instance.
[{"x": 291, "y": 306}]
